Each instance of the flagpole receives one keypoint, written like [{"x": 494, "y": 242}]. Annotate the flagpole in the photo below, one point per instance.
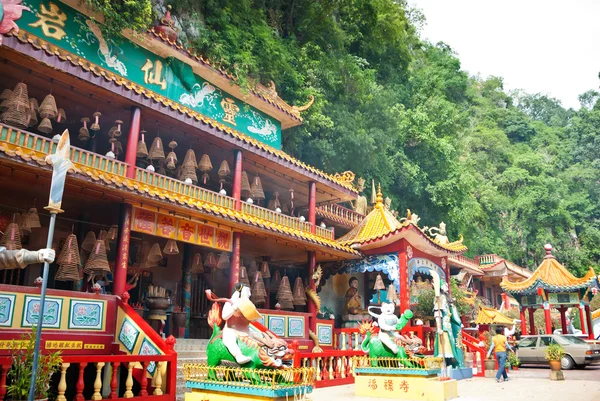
[
  {"x": 60, "y": 166},
  {"x": 38, "y": 331}
]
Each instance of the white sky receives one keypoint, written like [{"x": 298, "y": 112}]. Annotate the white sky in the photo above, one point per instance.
[{"x": 545, "y": 46}]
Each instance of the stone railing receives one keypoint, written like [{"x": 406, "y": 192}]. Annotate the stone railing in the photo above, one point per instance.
[
  {"x": 276, "y": 218},
  {"x": 340, "y": 214}
]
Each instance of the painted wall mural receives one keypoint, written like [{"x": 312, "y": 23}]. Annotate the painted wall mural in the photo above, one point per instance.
[
  {"x": 385, "y": 263},
  {"x": 72, "y": 31}
]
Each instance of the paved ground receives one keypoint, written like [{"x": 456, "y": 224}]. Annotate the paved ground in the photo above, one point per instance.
[{"x": 529, "y": 383}]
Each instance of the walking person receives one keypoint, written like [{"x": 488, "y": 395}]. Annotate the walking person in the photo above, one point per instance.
[{"x": 500, "y": 345}]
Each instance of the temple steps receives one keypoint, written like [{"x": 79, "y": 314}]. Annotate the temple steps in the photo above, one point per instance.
[{"x": 188, "y": 351}]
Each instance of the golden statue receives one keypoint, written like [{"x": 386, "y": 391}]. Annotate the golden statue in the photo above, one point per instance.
[
  {"x": 361, "y": 204},
  {"x": 353, "y": 299}
]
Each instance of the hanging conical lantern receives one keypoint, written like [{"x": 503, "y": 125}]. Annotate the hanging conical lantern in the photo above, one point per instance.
[
  {"x": 258, "y": 294},
  {"x": 84, "y": 133},
  {"x": 5, "y": 95},
  {"x": 68, "y": 261},
  {"x": 113, "y": 232},
  {"x": 392, "y": 296},
  {"x": 378, "y": 287},
  {"x": 96, "y": 124},
  {"x": 45, "y": 126},
  {"x": 89, "y": 241},
  {"x": 223, "y": 262},
  {"x": 252, "y": 268},
  {"x": 104, "y": 237},
  {"x": 284, "y": 294},
  {"x": 97, "y": 263},
  {"x": 246, "y": 190},
  {"x": 62, "y": 116},
  {"x": 142, "y": 149},
  {"x": 17, "y": 113},
  {"x": 171, "y": 248},
  {"x": 161, "y": 168},
  {"x": 275, "y": 280},
  {"x": 118, "y": 148},
  {"x": 171, "y": 161},
  {"x": 157, "y": 152},
  {"x": 11, "y": 239},
  {"x": 154, "y": 256},
  {"x": 197, "y": 265},
  {"x": 205, "y": 166},
  {"x": 34, "y": 218},
  {"x": 264, "y": 270},
  {"x": 33, "y": 112},
  {"x": 244, "y": 276},
  {"x": 189, "y": 166},
  {"x": 118, "y": 131},
  {"x": 257, "y": 189},
  {"x": 223, "y": 172},
  {"x": 24, "y": 224},
  {"x": 299, "y": 294},
  {"x": 211, "y": 260},
  {"x": 48, "y": 108}
]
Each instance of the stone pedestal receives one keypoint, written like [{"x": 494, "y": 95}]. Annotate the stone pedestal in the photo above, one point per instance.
[
  {"x": 460, "y": 373},
  {"x": 557, "y": 375},
  {"x": 231, "y": 392}
]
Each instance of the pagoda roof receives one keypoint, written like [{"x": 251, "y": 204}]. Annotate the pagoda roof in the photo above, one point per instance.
[
  {"x": 596, "y": 314},
  {"x": 491, "y": 316},
  {"x": 380, "y": 227},
  {"x": 551, "y": 276}
]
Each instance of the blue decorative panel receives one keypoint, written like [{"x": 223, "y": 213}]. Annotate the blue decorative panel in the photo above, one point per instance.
[
  {"x": 128, "y": 334},
  {"x": 277, "y": 325},
  {"x": 7, "y": 309},
  {"x": 86, "y": 315},
  {"x": 261, "y": 320},
  {"x": 386, "y": 263},
  {"x": 295, "y": 327},
  {"x": 52, "y": 312},
  {"x": 149, "y": 349},
  {"x": 325, "y": 334}
]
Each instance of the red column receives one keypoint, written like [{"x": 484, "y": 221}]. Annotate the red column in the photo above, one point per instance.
[
  {"x": 531, "y": 321},
  {"x": 588, "y": 315},
  {"x": 582, "y": 319},
  {"x": 132, "y": 141},
  {"x": 312, "y": 308},
  {"x": 234, "y": 273},
  {"x": 122, "y": 262},
  {"x": 312, "y": 206},
  {"x": 563, "y": 320},
  {"x": 404, "y": 287},
  {"x": 236, "y": 191},
  {"x": 523, "y": 322},
  {"x": 547, "y": 318}
]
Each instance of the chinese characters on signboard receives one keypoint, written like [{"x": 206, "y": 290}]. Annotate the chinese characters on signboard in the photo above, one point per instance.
[{"x": 171, "y": 227}]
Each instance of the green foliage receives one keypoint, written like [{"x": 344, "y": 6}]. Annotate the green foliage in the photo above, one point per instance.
[
  {"x": 136, "y": 15},
  {"x": 22, "y": 368},
  {"x": 512, "y": 359},
  {"x": 424, "y": 309},
  {"x": 554, "y": 352},
  {"x": 509, "y": 171},
  {"x": 459, "y": 298}
]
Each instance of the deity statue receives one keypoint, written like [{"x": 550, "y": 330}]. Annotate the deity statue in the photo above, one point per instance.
[
  {"x": 353, "y": 299},
  {"x": 23, "y": 257},
  {"x": 412, "y": 217},
  {"x": 360, "y": 205},
  {"x": 439, "y": 237},
  {"x": 236, "y": 324},
  {"x": 448, "y": 340}
]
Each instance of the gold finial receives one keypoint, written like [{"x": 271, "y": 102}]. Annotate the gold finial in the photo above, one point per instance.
[{"x": 379, "y": 200}]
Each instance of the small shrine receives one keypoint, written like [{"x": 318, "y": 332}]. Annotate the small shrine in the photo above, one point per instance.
[{"x": 553, "y": 286}]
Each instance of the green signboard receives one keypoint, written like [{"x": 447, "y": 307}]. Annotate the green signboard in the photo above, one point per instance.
[{"x": 72, "y": 31}]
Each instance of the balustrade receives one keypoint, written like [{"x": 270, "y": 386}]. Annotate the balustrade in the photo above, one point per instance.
[
  {"x": 276, "y": 218},
  {"x": 351, "y": 217},
  {"x": 135, "y": 367},
  {"x": 332, "y": 368}
]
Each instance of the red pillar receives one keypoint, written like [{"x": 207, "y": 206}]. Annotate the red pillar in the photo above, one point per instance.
[
  {"x": 531, "y": 321},
  {"x": 122, "y": 262},
  {"x": 312, "y": 206},
  {"x": 404, "y": 287},
  {"x": 236, "y": 191},
  {"x": 582, "y": 319},
  {"x": 312, "y": 308},
  {"x": 523, "y": 322},
  {"x": 547, "y": 318},
  {"x": 588, "y": 315},
  {"x": 563, "y": 320},
  {"x": 234, "y": 273},
  {"x": 132, "y": 141}
]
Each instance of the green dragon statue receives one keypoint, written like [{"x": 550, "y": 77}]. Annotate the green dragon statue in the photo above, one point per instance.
[{"x": 374, "y": 346}]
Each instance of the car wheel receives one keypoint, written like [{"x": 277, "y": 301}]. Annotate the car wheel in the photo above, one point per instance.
[{"x": 567, "y": 363}]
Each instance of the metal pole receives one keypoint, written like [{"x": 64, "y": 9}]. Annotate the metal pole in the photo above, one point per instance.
[{"x": 38, "y": 331}]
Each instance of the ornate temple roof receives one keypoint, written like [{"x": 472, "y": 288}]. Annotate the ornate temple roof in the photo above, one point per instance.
[
  {"x": 491, "y": 316},
  {"x": 552, "y": 276},
  {"x": 380, "y": 227},
  {"x": 596, "y": 314}
]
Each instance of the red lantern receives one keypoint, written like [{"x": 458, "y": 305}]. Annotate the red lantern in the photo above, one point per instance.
[{"x": 540, "y": 291}]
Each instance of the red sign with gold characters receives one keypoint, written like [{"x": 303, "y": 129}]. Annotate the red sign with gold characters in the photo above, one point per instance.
[{"x": 166, "y": 226}]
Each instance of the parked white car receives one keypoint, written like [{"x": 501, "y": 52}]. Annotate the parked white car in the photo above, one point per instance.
[{"x": 577, "y": 352}]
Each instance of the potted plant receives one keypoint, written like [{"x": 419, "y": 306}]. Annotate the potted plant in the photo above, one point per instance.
[
  {"x": 22, "y": 368},
  {"x": 513, "y": 360},
  {"x": 554, "y": 354}
]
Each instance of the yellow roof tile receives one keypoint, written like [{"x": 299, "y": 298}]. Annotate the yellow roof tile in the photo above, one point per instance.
[
  {"x": 491, "y": 316},
  {"x": 550, "y": 275}
]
